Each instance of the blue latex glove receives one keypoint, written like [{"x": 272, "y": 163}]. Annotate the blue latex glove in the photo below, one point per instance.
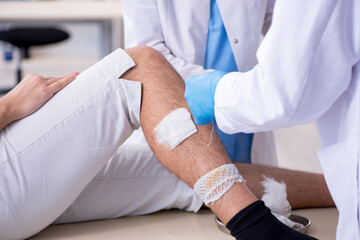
[{"x": 199, "y": 94}]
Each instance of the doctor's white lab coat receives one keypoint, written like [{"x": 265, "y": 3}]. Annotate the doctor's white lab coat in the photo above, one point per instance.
[
  {"x": 178, "y": 29},
  {"x": 309, "y": 68}
]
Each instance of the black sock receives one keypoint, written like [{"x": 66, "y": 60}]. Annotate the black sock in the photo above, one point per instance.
[{"x": 256, "y": 222}]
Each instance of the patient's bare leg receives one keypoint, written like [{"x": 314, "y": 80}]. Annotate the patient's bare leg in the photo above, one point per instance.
[{"x": 163, "y": 91}]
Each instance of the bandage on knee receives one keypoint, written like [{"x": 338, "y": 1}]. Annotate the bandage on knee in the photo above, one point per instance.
[
  {"x": 175, "y": 128},
  {"x": 213, "y": 185}
]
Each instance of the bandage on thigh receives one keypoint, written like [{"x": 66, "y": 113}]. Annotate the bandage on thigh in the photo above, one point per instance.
[{"x": 213, "y": 185}]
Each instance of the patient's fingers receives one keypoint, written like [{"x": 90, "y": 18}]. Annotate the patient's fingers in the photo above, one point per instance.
[
  {"x": 56, "y": 84},
  {"x": 51, "y": 80}
]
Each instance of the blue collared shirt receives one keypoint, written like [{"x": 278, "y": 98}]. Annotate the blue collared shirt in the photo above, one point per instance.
[{"x": 219, "y": 56}]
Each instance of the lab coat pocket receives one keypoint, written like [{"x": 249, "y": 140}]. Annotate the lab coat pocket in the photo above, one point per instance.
[{"x": 340, "y": 166}]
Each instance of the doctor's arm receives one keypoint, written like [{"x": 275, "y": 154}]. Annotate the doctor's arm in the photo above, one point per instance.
[
  {"x": 299, "y": 76},
  {"x": 143, "y": 26},
  {"x": 29, "y": 95}
]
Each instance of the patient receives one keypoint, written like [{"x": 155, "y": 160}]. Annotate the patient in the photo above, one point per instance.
[{"x": 67, "y": 159}]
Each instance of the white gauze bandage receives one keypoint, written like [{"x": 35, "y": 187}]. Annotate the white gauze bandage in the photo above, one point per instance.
[
  {"x": 275, "y": 198},
  {"x": 175, "y": 128},
  {"x": 213, "y": 185}
]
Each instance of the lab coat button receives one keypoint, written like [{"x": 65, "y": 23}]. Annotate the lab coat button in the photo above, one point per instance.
[{"x": 235, "y": 41}]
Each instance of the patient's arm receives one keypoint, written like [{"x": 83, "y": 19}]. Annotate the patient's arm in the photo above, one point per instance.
[
  {"x": 29, "y": 95},
  {"x": 163, "y": 91}
]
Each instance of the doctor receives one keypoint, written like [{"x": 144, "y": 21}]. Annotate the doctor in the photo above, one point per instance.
[
  {"x": 309, "y": 69},
  {"x": 199, "y": 36}
]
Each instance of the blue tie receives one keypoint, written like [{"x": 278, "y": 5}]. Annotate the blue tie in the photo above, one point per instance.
[{"x": 219, "y": 56}]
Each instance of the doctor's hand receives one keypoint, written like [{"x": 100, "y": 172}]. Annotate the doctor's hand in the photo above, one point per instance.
[
  {"x": 200, "y": 93},
  {"x": 29, "y": 95}
]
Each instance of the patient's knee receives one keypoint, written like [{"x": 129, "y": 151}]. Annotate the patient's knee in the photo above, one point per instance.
[
  {"x": 145, "y": 56},
  {"x": 149, "y": 65}
]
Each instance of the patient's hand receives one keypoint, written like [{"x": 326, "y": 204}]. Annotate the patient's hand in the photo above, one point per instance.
[{"x": 29, "y": 95}]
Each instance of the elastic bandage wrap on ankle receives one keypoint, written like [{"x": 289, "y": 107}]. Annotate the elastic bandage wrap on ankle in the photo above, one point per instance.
[{"x": 213, "y": 185}]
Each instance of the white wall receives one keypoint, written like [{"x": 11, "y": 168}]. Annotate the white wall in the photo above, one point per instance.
[{"x": 296, "y": 148}]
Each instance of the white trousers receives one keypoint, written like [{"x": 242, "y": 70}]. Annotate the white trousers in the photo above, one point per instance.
[{"x": 54, "y": 164}]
